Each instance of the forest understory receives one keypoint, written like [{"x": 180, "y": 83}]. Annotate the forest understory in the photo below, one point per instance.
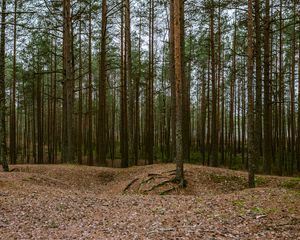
[{"x": 80, "y": 202}]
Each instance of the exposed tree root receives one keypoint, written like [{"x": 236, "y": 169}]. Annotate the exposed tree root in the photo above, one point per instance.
[
  {"x": 159, "y": 185},
  {"x": 154, "y": 174},
  {"x": 167, "y": 191},
  {"x": 129, "y": 185}
]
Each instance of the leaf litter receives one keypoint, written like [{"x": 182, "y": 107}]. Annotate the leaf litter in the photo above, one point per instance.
[{"x": 79, "y": 202}]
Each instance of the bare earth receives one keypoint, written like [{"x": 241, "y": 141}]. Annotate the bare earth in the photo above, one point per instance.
[{"x": 78, "y": 202}]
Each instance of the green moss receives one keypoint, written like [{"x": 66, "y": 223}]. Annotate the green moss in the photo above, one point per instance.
[
  {"x": 238, "y": 203},
  {"x": 262, "y": 211},
  {"x": 293, "y": 183},
  {"x": 228, "y": 179},
  {"x": 260, "y": 181}
]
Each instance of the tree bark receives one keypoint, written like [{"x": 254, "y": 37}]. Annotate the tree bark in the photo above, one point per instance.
[
  {"x": 267, "y": 95},
  {"x": 12, "y": 146},
  {"x": 178, "y": 78},
  {"x": 90, "y": 160},
  {"x": 3, "y": 150},
  {"x": 68, "y": 82},
  {"x": 102, "y": 90},
  {"x": 214, "y": 131},
  {"x": 251, "y": 134}
]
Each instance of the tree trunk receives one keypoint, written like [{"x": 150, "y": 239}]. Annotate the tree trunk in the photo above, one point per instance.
[
  {"x": 214, "y": 131},
  {"x": 258, "y": 63},
  {"x": 178, "y": 78},
  {"x": 172, "y": 82},
  {"x": 267, "y": 95},
  {"x": 149, "y": 141},
  {"x": 68, "y": 82},
  {"x": 102, "y": 90},
  {"x": 251, "y": 134},
  {"x": 80, "y": 110},
  {"x": 3, "y": 150},
  {"x": 124, "y": 124},
  {"x": 90, "y": 160},
  {"x": 12, "y": 146}
]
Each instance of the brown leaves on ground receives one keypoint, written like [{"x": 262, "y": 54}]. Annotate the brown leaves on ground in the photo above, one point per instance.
[{"x": 79, "y": 202}]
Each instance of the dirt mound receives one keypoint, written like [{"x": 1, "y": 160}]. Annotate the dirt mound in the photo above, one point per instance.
[
  {"x": 79, "y": 202},
  {"x": 150, "y": 180}
]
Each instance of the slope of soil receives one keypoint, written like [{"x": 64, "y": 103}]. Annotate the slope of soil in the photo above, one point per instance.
[{"x": 78, "y": 202}]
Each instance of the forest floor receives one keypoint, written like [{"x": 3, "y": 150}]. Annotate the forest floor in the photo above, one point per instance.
[{"x": 79, "y": 202}]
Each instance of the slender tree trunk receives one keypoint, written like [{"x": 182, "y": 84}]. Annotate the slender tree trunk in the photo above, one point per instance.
[
  {"x": 178, "y": 77},
  {"x": 131, "y": 90},
  {"x": 124, "y": 123},
  {"x": 208, "y": 135},
  {"x": 281, "y": 162},
  {"x": 3, "y": 150},
  {"x": 39, "y": 116},
  {"x": 137, "y": 100},
  {"x": 80, "y": 110},
  {"x": 232, "y": 97},
  {"x": 214, "y": 131},
  {"x": 68, "y": 106},
  {"x": 251, "y": 132},
  {"x": 90, "y": 160},
  {"x": 149, "y": 141},
  {"x": 298, "y": 153},
  {"x": 258, "y": 72},
  {"x": 12, "y": 146},
  {"x": 292, "y": 91},
  {"x": 203, "y": 115},
  {"x": 172, "y": 82},
  {"x": 267, "y": 95},
  {"x": 102, "y": 90},
  {"x": 186, "y": 118},
  {"x": 54, "y": 126}
]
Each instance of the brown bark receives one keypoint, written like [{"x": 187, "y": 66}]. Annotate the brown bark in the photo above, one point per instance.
[
  {"x": 3, "y": 150},
  {"x": 129, "y": 80},
  {"x": 80, "y": 102},
  {"x": 12, "y": 145},
  {"x": 292, "y": 92},
  {"x": 252, "y": 152},
  {"x": 281, "y": 120},
  {"x": 137, "y": 100},
  {"x": 68, "y": 85},
  {"x": 149, "y": 141},
  {"x": 214, "y": 131},
  {"x": 172, "y": 81},
  {"x": 232, "y": 98},
  {"x": 267, "y": 94},
  {"x": 258, "y": 71},
  {"x": 203, "y": 116},
  {"x": 39, "y": 116},
  {"x": 178, "y": 78},
  {"x": 90, "y": 160},
  {"x": 124, "y": 123},
  {"x": 102, "y": 134}
]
